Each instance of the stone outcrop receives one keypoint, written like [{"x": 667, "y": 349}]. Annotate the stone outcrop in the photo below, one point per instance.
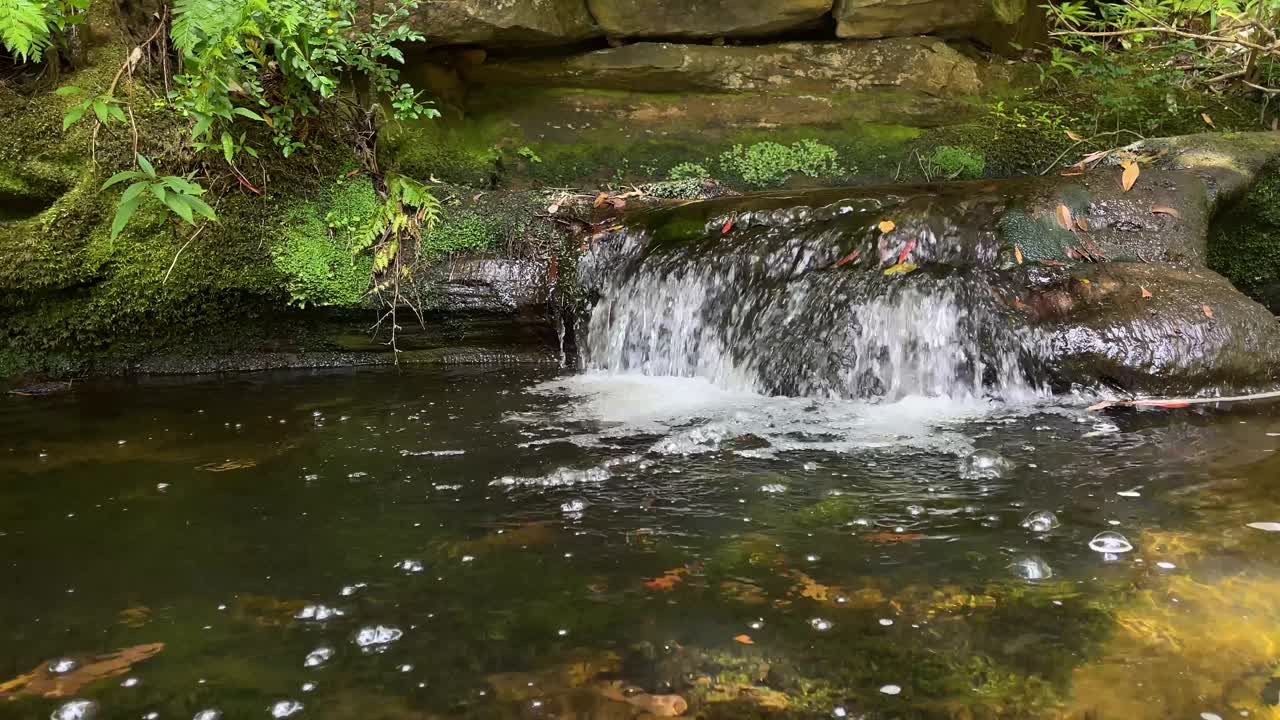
[
  {"x": 505, "y": 23},
  {"x": 995, "y": 22},
  {"x": 926, "y": 65},
  {"x": 705, "y": 19}
]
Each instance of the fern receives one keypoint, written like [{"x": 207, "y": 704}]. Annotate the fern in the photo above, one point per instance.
[{"x": 24, "y": 28}]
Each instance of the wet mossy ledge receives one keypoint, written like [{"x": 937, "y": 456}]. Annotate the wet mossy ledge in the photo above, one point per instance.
[{"x": 526, "y": 142}]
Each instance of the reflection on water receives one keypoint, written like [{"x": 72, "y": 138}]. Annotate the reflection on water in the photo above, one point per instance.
[{"x": 517, "y": 545}]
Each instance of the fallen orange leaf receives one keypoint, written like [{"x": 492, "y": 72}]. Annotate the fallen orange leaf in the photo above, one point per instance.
[
  {"x": 1073, "y": 136},
  {"x": 1145, "y": 292},
  {"x": 1064, "y": 218},
  {"x": 848, "y": 258},
  {"x": 887, "y": 226},
  {"x": 744, "y": 639},
  {"x": 1017, "y": 254},
  {"x": 888, "y": 538},
  {"x": 41, "y": 682},
  {"x": 600, "y": 199},
  {"x": 906, "y": 251},
  {"x": 1082, "y": 223},
  {"x": 668, "y": 580},
  {"x": 1208, "y": 120},
  {"x": 1130, "y": 174},
  {"x": 1208, "y": 311}
]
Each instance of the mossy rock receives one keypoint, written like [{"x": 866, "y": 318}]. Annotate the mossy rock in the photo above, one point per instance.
[{"x": 1245, "y": 245}]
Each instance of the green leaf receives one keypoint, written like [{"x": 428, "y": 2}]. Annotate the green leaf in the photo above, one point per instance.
[
  {"x": 200, "y": 206},
  {"x": 67, "y": 90},
  {"x": 116, "y": 113},
  {"x": 72, "y": 117},
  {"x": 121, "y": 177},
  {"x": 100, "y": 109},
  {"x": 245, "y": 112},
  {"x": 228, "y": 147},
  {"x": 203, "y": 122},
  {"x": 146, "y": 166},
  {"x": 176, "y": 204},
  {"x": 124, "y": 211},
  {"x": 159, "y": 191},
  {"x": 134, "y": 190}
]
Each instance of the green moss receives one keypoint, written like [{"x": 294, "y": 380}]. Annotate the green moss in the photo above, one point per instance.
[
  {"x": 315, "y": 246},
  {"x": 769, "y": 164},
  {"x": 1245, "y": 246},
  {"x": 956, "y": 163},
  {"x": 466, "y": 153}
]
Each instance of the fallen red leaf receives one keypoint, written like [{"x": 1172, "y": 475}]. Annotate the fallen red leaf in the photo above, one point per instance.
[
  {"x": 906, "y": 251},
  {"x": 744, "y": 639},
  {"x": 848, "y": 258},
  {"x": 1145, "y": 292},
  {"x": 727, "y": 227},
  {"x": 889, "y": 538},
  {"x": 1208, "y": 311}
]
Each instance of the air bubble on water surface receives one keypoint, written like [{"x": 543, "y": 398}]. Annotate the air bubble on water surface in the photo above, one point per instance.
[
  {"x": 308, "y": 687},
  {"x": 1032, "y": 568},
  {"x": 76, "y": 710},
  {"x": 410, "y": 566},
  {"x": 1041, "y": 521},
  {"x": 984, "y": 465},
  {"x": 61, "y": 666},
  {"x": 821, "y": 625},
  {"x": 129, "y": 682},
  {"x": 377, "y": 638},
  {"x": 352, "y": 589},
  {"x": 1110, "y": 543},
  {"x": 1165, "y": 565},
  {"x": 561, "y": 477},
  {"x": 210, "y": 714},
  {"x": 574, "y": 507},
  {"x": 890, "y": 689},
  {"x": 285, "y": 708},
  {"x": 318, "y": 657},
  {"x": 915, "y": 510},
  {"x": 318, "y": 612}
]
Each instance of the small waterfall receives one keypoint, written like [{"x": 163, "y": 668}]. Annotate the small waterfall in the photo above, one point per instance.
[{"x": 772, "y": 301}]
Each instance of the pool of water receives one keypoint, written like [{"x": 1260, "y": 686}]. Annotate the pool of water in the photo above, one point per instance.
[{"x": 519, "y": 544}]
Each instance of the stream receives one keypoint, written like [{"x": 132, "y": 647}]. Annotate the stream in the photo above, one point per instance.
[{"x": 510, "y": 543}]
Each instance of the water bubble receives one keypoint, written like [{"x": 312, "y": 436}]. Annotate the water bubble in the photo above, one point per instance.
[
  {"x": 378, "y": 637},
  {"x": 318, "y": 657},
  {"x": 812, "y": 558},
  {"x": 285, "y": 708},
  {"x": 886, "y": 622},
  {"x": 574, "y": 507},
  {"x": 1110, "y": 542},
  {"x": 1041, "y": 521},
  {"x": 209, "y": 714},
  {"x": 839, "y": 712},
  {"x": 318, "y": 612},
  {"x": 468, "y": 558},
  {"x": 915, "y": 510},
  {"x": 153, "y": 715},
  {"x": 1210, "y": 716},
  {"x": 1031, "y": 568},
  {"x": 984, "y": 465},
  {"x": 76, "y": 710},
  {"x": 890, "y": 689},
  {"x": 62, "y": 666},
  {"x": 810, "y": 466},
  {"x": 130, "y": 682},
  {"x": 1165, "y": 565},
  {"x": 352, "y": 589},
  {"x": 405, "y": 668},
  {"x": 821, "y": 625},
  {"x": 308, "y": 687},
  {"x": 410, "y": 566}
]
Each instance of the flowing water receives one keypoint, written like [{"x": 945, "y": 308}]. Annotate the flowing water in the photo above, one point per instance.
[{"x": 521, "y": 544}]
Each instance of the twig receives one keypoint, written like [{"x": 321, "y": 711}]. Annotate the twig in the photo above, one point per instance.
[
  {"x": 174, "y": 264},
  {"x": 1173, "y": 403}
]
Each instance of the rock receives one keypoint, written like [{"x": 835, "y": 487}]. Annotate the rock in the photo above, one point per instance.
[
  {"x": 924, "y": 65},
  {"x": 1102, "y": 330},
  {"x": 505, "y": 23},
  {"x": 895, "y": 18},
  {"x": 695, "y": 19}
]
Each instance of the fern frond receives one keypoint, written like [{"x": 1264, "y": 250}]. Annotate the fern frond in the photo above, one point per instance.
[{"x": 24, "y": 28}]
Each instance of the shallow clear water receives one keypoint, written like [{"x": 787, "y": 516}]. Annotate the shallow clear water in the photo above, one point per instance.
[{"x": 737, "y": 555}]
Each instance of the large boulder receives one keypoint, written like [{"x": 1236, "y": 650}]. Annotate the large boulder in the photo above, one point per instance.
[
  {"x": 920, "y": 64},
  {"x": 700, "y": 19},
  {"x": 997, "y": 23},
  {"x": 505, "y": 23}
]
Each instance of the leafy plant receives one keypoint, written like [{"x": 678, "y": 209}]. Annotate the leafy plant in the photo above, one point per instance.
[
  {"x": 105, "y": 107},
  {"x": 954, "y": 162},
  {"x": 527, "y": 153},
  {"x": 279, "y": 62},
  {"x": 688, "y": 171},
  {"x": 769, "y": 163},
  {"x": 179, "y": 196},
  {"x": 29, "y": 27}
]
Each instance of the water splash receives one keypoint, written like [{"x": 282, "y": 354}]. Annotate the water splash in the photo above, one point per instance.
[{"x": 769, "y": 311}]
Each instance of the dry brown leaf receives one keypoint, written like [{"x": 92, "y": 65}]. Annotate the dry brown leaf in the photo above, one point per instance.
[
  {"x": 1208, "y": 311},
  {"x": 889, "y": 538},
  {"x": 668, "y": 580},
  {"x": 1073, "y": 136},
  {"x": 553, "y": 209},
  {"x": 1165, "y": 210},
  {"x": 1017, "y": 254},
  {"x": 1064, "y": 217},
  {"x": 601, "y": 199},
  {"x": 887, "y": 226},
  {"x": 1208, "y": 120},
  {"x": 744, "y": 639},
  {"x": 42, "y": 683},
  {"x": 1145, "y": 292},
  {"x": 1082, "y": 223},
  {"x": 1130, "y": 174}
]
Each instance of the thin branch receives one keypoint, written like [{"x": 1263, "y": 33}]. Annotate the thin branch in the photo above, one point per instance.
[{"x": 177, "y": 255}]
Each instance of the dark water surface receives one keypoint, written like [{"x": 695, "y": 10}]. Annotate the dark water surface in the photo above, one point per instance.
[{"x": 702, "y": 552}]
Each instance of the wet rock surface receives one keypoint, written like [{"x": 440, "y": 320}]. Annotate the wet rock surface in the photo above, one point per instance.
[
  {"x": 717, "y": 18},
  {"x": 494, "y": 23}
]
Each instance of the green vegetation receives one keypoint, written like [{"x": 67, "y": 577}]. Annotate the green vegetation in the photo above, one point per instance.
[
  {"x": 316, "y": 242},
  {"x": 28, "y": 28},
  {"x": 768, "y": 164},
  {"x": 1245, "y": 247},
  {"x": 955, "y": 163}
]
